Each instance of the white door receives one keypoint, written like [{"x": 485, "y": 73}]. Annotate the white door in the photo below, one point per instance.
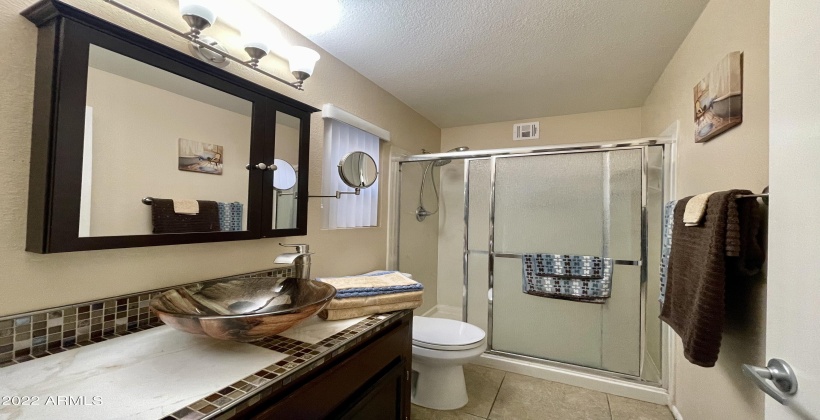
[{"x": 793, "y": 301}]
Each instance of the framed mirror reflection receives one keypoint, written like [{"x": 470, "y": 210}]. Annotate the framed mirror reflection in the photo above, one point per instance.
[{"x": 137, "y": 144}]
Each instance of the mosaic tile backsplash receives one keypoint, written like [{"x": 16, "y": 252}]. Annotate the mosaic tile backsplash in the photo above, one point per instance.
[{"x": 38, "y": 334}]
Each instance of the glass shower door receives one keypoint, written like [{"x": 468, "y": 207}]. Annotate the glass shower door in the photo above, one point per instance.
[{"x": 588, "y": 204}]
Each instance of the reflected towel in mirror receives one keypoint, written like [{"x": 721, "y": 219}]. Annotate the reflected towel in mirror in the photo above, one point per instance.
[
  {"x": 165, "y": 220},
  {"x": 186, "y": 206},
  {"x": 230, "y": 216}
]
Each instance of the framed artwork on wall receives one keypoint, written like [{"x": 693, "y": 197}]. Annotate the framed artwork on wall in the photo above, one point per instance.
[
  {"x": 719, "y": 98},
  {"x": 195, "y": 156}
]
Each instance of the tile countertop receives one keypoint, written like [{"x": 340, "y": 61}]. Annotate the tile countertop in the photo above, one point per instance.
[{"x": 163, "y": 372}]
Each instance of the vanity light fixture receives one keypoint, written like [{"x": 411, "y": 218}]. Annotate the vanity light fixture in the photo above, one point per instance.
[
  {"x": 256, "y": 45},
  {"x": 201, "y": 14}
]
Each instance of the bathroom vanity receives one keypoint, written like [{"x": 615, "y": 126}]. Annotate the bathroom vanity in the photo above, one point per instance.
[
  {"x": 352, "y": 369},
  {"x": 370, "y": 381}
]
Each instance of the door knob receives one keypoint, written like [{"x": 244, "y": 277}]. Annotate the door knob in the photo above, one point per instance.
[{"x": 778, "y": 372}]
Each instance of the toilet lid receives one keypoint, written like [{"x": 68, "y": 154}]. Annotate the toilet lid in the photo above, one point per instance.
[{"x": 445, "y": 334}]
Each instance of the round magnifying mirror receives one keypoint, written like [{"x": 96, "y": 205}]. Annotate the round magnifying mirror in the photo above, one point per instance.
[
  {"x": 284, "y": 178},
  {"x": 358, "y": 170}
]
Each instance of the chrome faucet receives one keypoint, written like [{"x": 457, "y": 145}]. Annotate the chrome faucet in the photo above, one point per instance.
[{"x": 300, "y": 259}]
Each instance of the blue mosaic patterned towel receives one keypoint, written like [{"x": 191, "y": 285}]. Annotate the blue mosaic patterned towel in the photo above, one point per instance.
[
  {"x": 574, "y": 277},
  {"x": 230, "y": 216},
  {"x": 666, "y": 245}
]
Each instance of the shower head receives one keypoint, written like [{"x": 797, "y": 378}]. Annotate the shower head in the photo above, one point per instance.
[{"x": 446, "y": 161}]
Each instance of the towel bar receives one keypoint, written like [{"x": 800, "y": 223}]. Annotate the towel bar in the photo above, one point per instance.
[
  {"x": 516, "y": 255},
  {"x": 764, "y": 195}
]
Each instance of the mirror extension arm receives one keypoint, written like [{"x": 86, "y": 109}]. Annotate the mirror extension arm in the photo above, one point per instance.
[{"x": 338, "y": 195}]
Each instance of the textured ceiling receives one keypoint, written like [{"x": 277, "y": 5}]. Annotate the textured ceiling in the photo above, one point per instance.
[{"x": 469, "y": 62}]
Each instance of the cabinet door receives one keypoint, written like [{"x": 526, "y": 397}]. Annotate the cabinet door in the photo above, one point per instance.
[
  {"x": 285, "y": 189},
  {"x": 371, "y": 383},
  {"x": 382, "y": 400}
]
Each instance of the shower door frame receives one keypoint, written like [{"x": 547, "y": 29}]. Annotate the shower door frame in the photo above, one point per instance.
[{"x": 644, "y": 144}]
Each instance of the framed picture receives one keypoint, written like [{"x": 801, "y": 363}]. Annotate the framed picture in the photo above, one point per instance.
[
  {"x": 719, "y": 99},
  {"x": 195, "y": 156}
]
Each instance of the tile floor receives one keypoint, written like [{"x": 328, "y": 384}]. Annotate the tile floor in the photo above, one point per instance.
[{"x": 495, "y": 394}]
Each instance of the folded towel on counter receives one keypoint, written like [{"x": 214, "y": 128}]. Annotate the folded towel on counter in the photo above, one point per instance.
[
  {"x": 358, "y": 302},
  {"x": 701, "y": 266},
  {"x": 184, "y": 206},
  {"x": 372, "y": 293},
  {"x": 166, "y": 220},
  {"x": 230, "y": 216},
  {"x": 364, "y": 292},
  {"x": 695, "y": 209},
  {"x": 666, "y": 245},
  {"x": 336, "y": 314},
  {"x": 372, "y": 285},
  {"x": 380, "y": 272}
]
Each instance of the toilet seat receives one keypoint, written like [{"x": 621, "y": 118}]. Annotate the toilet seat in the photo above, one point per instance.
[{"x": 446, "y": 334}]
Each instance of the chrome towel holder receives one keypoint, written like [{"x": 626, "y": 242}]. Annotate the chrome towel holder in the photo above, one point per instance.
[{"x": 764, "y": 195}]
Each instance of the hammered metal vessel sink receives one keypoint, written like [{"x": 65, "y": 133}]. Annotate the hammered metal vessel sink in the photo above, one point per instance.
[{"x": 242, "y": 309}]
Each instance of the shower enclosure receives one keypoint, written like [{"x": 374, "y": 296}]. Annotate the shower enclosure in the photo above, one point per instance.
[{"x": 594, "y": 200}]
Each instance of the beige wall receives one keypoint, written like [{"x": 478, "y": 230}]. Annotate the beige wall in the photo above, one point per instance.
[
  {"x": 33, "y": 281},
  {"x": 617, "y": 124},
  {"x": 418, "y": 245},
  {"x": 736, "y": 159},
  {"x": 136, "y": 144}
]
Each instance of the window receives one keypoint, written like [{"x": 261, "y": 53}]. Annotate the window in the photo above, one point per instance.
[{"x": 345, "y": 133}]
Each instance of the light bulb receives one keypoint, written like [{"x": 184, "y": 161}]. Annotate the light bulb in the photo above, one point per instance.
[
  {"x": 302, "y": 60},
  {"x": 260, "y": 37},
  {"x": 200, "y": 8}
]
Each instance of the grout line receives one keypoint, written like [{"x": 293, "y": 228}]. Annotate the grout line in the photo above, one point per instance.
[
  {"x": 498, "y": 391},
  {"x": 609, "y": 407}
]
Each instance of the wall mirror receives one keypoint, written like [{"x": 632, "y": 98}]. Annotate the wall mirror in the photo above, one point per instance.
[
  {"x": 358, "y": 170},
  {"x": 165, "y": 137},
  {"x": 137, "y": 144},
  {"x": 285, "y": 197}
]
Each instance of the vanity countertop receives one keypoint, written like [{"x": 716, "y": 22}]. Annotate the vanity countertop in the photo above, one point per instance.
[{"x": 162, "y": 372}]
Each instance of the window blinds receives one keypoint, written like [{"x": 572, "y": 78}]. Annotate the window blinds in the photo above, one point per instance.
[{"x": 350, "y": 211}]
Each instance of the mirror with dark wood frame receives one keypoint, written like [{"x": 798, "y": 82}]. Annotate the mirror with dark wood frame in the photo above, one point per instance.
[{"x": 137, "y": 144}]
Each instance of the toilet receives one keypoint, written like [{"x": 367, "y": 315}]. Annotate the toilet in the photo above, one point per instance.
[{"x": 441, "y": 347}]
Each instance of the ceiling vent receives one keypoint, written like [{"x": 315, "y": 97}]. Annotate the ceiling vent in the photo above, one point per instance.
[{"x": 526, "y": 131}]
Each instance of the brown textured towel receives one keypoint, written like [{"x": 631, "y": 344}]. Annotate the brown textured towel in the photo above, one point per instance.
[
  {"x": 167, "y": 221},
  {"x": 702, "y": 261}
]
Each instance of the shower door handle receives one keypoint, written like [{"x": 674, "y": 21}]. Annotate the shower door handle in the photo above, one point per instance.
[{"x": 778, "y": 372}]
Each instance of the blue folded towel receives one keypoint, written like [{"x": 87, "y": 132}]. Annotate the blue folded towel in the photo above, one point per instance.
[
  {"x": 371, "y": 291},
  {"x": 666, "y": 245},
  {"x": 581, "y": 278},
  {"x": 230, "y": 216}
]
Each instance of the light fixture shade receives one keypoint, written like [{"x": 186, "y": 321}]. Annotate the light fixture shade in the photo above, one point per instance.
[
  {"x": 202, "y": 8},
  {"x": 302, "y": 59},
  {"x": 261, "y": 37}
]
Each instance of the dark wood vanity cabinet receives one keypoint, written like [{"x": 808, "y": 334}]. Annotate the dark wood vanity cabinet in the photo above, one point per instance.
[
  {"x": 371, "y": 382},
  {"x": 155, "y": 116}
]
